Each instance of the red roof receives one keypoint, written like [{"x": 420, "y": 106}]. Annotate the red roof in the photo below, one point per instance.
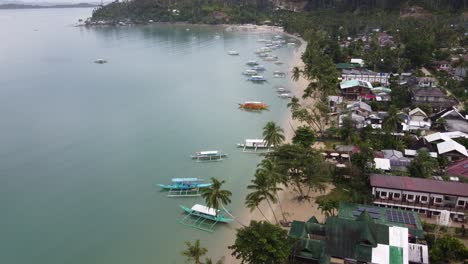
[
  {"x": 419, "y": 185},
  {"x": 459, "y": 168}
]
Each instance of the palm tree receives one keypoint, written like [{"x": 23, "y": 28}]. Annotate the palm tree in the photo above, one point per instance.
[
  {"x": 210, "y": 261},
  {"x": 194, "y": 252},
  {"x": 272, "y": 134},
  {"x": 392, "y": 120},
  {"x": 268, "y": 167},
  {"x": 215, "y": 197},
  {"x": 296, "y": 74},
  {"x": 263, "y": 189},
  {"x": 253, "y": 200}
]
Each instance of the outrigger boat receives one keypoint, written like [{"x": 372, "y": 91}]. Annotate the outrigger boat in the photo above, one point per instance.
[
  {"x": 252, "y": 105},
  {"x": 204, "y": 218},
  {"x": 210, "y": 155},
  {"x": 257, "y": 78},
  {"x": 250, "y": 72},
  {"x": 279, "y": 74},
  {"x": 259, "y": 68},
  {"x": 285, "y": 95},
  {"x": 254, "y": 144},
  {"x": 252, "y": 63},
  {"x": 233, "y": 52},
  {"x": 184, "y": 187}
]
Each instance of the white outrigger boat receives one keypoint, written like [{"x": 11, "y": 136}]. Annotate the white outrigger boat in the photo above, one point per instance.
[
  {"x": 285, "y": 95},
  {"x": 250, "y": 72},
  {"x": 252, "y": 63},
  {"x": 205, "y": 218},
  {"x": 100, "y": 61},
  {"x": 257, "y": 78},
  {"x": 209, "y": 155},
  {"x": 254, "y": 144},
  {"x": 279, "y": 74},
  {"x": 233, "y": 52}
]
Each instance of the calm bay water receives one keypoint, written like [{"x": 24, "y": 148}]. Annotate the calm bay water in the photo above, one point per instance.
[{"x": 82, "y": 144}]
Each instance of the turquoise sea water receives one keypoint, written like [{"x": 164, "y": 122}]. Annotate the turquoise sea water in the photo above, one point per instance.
[{"x": 82, "y": 144}]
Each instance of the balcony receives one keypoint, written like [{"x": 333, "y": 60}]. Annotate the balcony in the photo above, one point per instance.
[{"x": 423, "y": 206}]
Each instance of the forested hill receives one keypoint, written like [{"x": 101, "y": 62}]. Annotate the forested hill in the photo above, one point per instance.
[{"x": 254, "y": 11}]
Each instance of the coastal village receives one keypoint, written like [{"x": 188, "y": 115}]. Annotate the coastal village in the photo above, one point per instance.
[{"x": 372, "y": 167}]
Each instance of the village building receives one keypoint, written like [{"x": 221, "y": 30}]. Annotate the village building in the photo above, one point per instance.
[
  {"x": 367, "y": 76},
  {"x": 446, "y": 146},
  {"x": 416, "y": 120},
  {"x": 425, "y": 196},
  {"x": 361, "y": 234},
  {"x": 433, "y": 97},
  {"x": 352, "y": 89},
  {"x": 425, "y": 82},
  {"x": 458, "y": 168},
  {"x": 451, "y": 120}
]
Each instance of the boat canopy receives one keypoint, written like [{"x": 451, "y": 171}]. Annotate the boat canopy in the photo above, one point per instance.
[
  {"x": 256, "y": 141},
  {"x": 209, "y": 152},
  {"x": 204, "y": 209},
  {"x": 252, "y": 102},
  {"x": 185, "y": 180}
]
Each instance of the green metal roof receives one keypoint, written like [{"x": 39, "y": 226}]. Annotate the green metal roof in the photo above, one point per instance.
[
  {"x": 346, "y": 211},
  {"x": 345, "y": 66},
  {"x": 348, "y": 238}
]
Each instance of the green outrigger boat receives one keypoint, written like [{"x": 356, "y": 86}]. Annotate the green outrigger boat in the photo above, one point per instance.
[{"x": 204, "y": 218}]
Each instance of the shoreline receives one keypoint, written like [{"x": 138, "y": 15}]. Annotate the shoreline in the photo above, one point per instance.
[{"x": 293, "y": 210}]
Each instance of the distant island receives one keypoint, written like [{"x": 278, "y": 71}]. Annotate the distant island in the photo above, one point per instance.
[{"x": 30, "y": 6}]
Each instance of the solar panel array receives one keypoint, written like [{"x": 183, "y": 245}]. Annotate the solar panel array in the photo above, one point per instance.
[
  {"x": 400, "y": 217},
  {"x": 374, "y": 213}
]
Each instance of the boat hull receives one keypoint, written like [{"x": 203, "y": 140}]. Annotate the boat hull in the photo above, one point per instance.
[{"x": 184, "y": 187}]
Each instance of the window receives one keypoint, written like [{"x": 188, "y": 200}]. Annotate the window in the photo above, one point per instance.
[
  {"x": 410, "y": 197},
  {"x": 423, "y": 198},
  {"x": 396, "y": 195},
  {"x": 383, "y": 195},
  {"x": 461, "y": 203},
  {"x": 438, "y": 200}
]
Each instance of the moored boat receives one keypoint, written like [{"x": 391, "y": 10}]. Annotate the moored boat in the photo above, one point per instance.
[
  {"x": 205, "y": 218},
  {"x": 185, "y": 184},
  {"x": 250, "y": 72},
  {"x": 252, "y": 63},
  {"x": 209, "y": 155},
  {"x": 253, "y": 144},
  {"x": 259, "y": 68},
  {"x": 285, "y": 95},
  {"x": 279, "y": 74},
  {"x": 233, "y": 52},
  {"x": 253, "y": 105},
  {"x": 100, "y": 61},
  {"x": 257, "y": 78}
]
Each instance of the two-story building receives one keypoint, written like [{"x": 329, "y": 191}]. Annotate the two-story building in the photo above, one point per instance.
[
  {"x": 433, "y": 97},
  {"x": 367, "y": 76},
  {"x": 425, "y": 196},
  {"x": 352, "y": 89}
]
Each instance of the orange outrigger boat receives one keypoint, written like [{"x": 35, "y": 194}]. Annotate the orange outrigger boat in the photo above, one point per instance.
[{"x": 251, "y": 105}]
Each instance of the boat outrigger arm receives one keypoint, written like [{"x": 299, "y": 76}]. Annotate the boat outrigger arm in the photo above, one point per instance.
[{"x": 204, "y": 218}]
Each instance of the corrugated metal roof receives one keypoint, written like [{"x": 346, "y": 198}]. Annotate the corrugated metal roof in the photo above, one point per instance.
[
  {"x": 419, "y": 185},
  {"x": 459, "y": 168}
]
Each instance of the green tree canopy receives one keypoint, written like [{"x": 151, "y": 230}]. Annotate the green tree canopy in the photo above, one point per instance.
[
  {"x": 304, "y": 136},
  {"x": 215, "y": 197},
  {"x": 447, "y": 249},
  {"x": 423, "y": 165},
  {"x": 261, "y": 243}
]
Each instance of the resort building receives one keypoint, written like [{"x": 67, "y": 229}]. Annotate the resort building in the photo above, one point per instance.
[
  {"x": 361, "y": 234},
  {"x": 366, "y": 76},
  {"x": 424, "y": 196}
]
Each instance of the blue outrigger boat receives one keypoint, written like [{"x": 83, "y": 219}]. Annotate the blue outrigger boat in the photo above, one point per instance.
[
  {"x": 184, "y": 187},
  {"x": 204, "y": 218}
]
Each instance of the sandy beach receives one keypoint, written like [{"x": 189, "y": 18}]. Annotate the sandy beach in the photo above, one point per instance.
[{"x": 293, "y": 210}]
